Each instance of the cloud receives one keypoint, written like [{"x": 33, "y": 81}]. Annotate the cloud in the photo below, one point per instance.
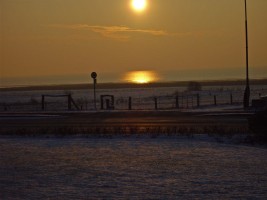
[
  {"x": 113, "y": 32},
  {"x": 124, "y": 33}
]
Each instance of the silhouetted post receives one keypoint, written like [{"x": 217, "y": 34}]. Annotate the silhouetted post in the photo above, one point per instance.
[
  {"x": 156, "y": 103},
  {"x": 43, "y": 102},
  {"x": 215, "y": 100},
  {"x": 198, "y": 100},
  {"x": 102, "y": 102},
  {"x": 108, "y": 104},
  {"x": 130, "y": 103},
  {"x": 247, "y": 90},
  {"x": 231, "y": 99},
  {"x": 187, "y": 106},
  {"x": 69, "y": 102},
  {"x": 94, "y": 75},
  {"x": 177, "y": 102}
]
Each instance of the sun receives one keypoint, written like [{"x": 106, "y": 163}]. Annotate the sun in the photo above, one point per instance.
[
  {"x": 141, "y": 77},
  {"x": 139, "y": 5}
]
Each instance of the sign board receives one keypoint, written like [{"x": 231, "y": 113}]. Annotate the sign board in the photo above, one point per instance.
[{"x": 94, "y": 75}]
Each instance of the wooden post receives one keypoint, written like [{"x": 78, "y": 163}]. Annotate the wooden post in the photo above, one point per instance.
[
  {"x": 177, "y": 102},
  {"x": 69, "y": 102},
  {"x": 198, "y": 100},
  {"x": 130, "y": 103},
  {"x": 215, "y": 100},
  {"x": 156, "y": 103},
  {"x": 231, "y": 99},
  {"x": 43, "y": 102},
  {"x": 102, "y": 102}
]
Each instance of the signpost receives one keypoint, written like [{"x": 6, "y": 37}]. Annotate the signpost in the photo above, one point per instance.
[{"x": 94, "y": 75}]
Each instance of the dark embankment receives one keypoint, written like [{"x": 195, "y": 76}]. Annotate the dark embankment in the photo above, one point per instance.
[{"x": 122, "y": 123}]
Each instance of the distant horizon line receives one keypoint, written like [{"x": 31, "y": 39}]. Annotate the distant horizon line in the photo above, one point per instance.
[{"x": 103, "y": 85}]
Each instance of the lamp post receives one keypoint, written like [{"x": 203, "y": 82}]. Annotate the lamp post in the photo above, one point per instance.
[{"x": 247, "y": 90}]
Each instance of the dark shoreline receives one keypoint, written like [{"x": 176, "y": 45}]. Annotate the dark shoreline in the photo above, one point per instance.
[{"x": 131, "y": 85}]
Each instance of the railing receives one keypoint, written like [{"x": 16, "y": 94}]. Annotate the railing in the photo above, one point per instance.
[{"x": 183, "y": 100}]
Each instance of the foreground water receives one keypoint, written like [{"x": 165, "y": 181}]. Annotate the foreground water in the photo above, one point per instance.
[{"x": 130, "y": 168}]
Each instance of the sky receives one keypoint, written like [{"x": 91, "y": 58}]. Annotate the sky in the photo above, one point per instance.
[{"x": 63, "y": 41}]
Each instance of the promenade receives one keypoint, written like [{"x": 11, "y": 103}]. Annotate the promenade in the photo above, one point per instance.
[{"x": 11, "y": 123}]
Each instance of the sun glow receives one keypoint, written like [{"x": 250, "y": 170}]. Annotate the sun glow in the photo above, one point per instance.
[
  {"x": 139, "y": 5},
  {"x": 141, "y": 77}
]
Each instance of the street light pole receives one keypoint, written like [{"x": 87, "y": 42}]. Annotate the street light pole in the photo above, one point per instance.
[{"x": 247, "y": 90}]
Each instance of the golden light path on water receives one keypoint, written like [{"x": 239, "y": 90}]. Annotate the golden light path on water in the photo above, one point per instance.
[{"x": 141, "y": 77}]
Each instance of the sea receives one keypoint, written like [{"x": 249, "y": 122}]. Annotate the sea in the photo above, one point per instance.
[{"x": 131, "y": 168}]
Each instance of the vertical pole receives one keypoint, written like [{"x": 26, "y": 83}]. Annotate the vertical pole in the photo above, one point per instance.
[
  {"x": 95, "y": 92},
  {"x": 130, "y": 103},
  {"x": 93, "y": 76},
  {"x": 43, "y": 102},
  {"x": 231, "y": 99},
  {"x": 102, "y": 102},
  {"x": 247, "y": 90},
  {"x": 69, "y": 102},
  {"x": 198, "y": 100},
  {"x": 215, "y": 100},
  {"x": 177, "y": 102},
  {"x": 156, "y": 103}
]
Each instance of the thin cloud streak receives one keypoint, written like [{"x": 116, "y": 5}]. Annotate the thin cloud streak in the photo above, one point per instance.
[
  {"x": 124, "y": 33},
  {"x": 113, "y": 32}
]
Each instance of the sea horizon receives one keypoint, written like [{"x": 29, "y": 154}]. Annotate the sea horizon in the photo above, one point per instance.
[{"x": 124, "y": 84}]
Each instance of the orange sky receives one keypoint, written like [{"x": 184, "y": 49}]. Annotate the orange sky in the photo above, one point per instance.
[{"x": 179, "y": 39}]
